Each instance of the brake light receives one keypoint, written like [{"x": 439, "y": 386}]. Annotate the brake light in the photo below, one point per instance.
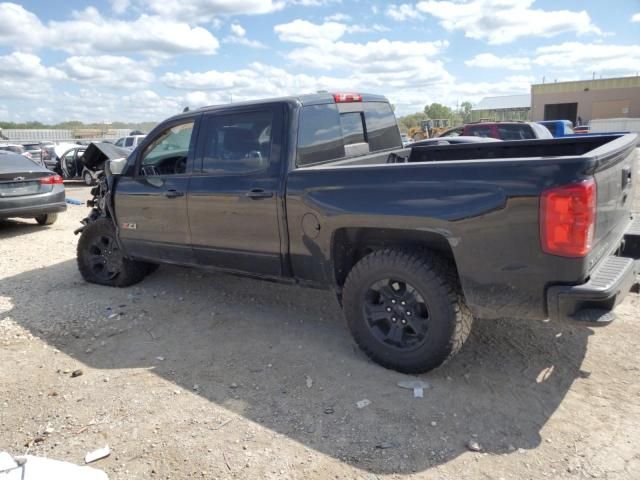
[
  {"x": 347, "y": 97},
  {"x": 567, "y": 219},
  {"x": 51, "y": 180}
]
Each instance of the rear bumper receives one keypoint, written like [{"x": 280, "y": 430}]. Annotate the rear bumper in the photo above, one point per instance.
[
  {"x": 32, "y": 211},
  {"x": 594, "y": 301},
  {"x": 32, "y": 205}
]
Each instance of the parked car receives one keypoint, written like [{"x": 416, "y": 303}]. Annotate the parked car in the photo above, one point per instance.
[
  {"x": 52, "y": 152},
  {"x": 500, "y": 130},
  {"x": 71, "y": 164},
  {"x": 415, "y": 242},
  {"x": 18, "y": 149},
  {"x": 581, "y": 129},
  {"x": 35, "y": 150},
  {"x": 558, "y": 128},
  {"x": 28, "y": 190},
  {"x": 130, "y": 142},
  {"x": 74, "y": 160}
]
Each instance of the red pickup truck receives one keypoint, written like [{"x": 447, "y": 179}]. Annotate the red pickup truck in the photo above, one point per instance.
[{"x": 500, "y": 130}]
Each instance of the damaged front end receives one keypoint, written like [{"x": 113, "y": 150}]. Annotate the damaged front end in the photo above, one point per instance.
[{"x": 107, "y": 161}]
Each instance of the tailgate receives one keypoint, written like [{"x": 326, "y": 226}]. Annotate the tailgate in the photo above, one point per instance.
[{"x": 616, "y": 165}]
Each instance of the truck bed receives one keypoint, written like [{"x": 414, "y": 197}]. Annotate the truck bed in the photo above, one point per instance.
[
  {"x": 479, "y": 202},
  {"x": 557, "y": 147}
]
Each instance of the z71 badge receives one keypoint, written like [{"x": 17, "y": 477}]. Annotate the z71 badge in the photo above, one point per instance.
[{"x": 129, "y": 226}]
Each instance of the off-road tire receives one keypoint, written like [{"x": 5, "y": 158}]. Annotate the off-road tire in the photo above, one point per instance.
[
  {"x": 46, "y": 218},
  {"x": 436, "y": 281},
  {"x": 129, "y": 272}
]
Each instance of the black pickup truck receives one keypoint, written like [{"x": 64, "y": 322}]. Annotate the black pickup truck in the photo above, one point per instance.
[{"x": 318, "y": 190}]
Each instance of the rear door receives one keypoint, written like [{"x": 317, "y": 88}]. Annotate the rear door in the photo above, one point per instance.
[
  {"x": 233, "y": 195},
  {"x": 151, "y": 200}
]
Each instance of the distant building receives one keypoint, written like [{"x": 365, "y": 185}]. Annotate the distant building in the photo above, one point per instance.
[
  {"x": 586, "y": 100},
  {"x": 507, "y": 107}
]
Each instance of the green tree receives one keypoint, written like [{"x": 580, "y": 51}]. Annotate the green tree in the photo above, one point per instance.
[
  {"x": 437, "y": 110},
  {"x": 465, "y": 111}
]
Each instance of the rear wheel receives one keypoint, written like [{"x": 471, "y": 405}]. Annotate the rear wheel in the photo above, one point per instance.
[
  {"x": 101, "y": 261},
  {"x": 404, "y": 309},
  {"x": 46, "y": 218}
]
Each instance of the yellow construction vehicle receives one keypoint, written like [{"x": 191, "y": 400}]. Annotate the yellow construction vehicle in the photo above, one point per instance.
[{"x": 428, "y": 129}]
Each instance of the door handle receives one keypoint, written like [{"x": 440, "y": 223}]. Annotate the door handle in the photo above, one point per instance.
[
  {"x": 172, "y": 193},
  {"x": 259, "y": 193}
]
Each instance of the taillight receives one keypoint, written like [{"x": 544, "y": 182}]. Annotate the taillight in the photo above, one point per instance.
[
  {"x": 51, "y": 180},
  {"x": 567, "y": 219},
  {"x": 347, "y": 97}
]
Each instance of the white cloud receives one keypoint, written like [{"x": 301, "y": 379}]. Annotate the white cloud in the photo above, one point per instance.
[
  {"x": 238, "y": 30},
  {"x": 489, "y": 60},
  {"x": 635, "y": 17},
  {"x": 19, "y": 27},
  {"x": 403, "y": 12},
  {"x": 24, "y": 76},
  {"x": 338, "y": 17},
  {"x": 380, "y": 55},
  {"x": 91, "y": 105},
  {"x": 107, "y": 70},
  {"x": 302, "y": 31},
  {"x": 594, "y": 57},
  {"x": 199, "y": 11},
  {"x": 239, "y": 37},
  {"x": 120, "y": 6},
  {"x": 89, "y": 32},
  {"x": 256, "y": 81},
  {"x": 503, "y": 21},
  {"x": 376, "y": 27}
]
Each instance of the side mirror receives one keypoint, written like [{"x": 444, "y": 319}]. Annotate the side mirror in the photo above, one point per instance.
[{"x": 115, "y": 167}]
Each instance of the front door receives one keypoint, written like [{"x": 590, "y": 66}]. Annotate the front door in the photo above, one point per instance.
[
  {"x": 233, "y": 196},
  {"x": 151, "y": 200}
]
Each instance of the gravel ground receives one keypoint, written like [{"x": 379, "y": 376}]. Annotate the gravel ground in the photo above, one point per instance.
[{"x": 202, "y": 375}]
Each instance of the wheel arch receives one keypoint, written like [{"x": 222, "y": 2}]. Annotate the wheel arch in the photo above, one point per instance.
[{"x": 350, "y": 245}]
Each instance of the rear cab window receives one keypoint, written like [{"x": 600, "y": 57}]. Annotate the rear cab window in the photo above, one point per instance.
[
  {"x": 337, "y": 130},
  {"x": 516, "y": 132}
]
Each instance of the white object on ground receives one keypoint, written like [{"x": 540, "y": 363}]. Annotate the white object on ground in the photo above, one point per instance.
[
  {"x": 97, "y": 454},
  {"x": 417, "y": 386},
  {"x": 41, "y": 468},
  {"x": 363, "y": 403}
]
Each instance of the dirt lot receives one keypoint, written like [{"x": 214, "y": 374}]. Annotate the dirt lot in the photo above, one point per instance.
[{"x": 201, "y": 375}]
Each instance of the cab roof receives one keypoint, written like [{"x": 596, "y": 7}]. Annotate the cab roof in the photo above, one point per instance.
[{"x": 295, "y": 100}]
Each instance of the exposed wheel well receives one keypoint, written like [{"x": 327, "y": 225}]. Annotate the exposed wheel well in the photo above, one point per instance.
[{"x": 352, "y": 244}]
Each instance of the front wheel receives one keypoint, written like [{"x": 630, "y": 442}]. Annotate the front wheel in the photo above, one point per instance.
[
  {"x": 101, "y": 261},
  {"x": 405, "y": 311},
  {"x": 88, "y": 178}
]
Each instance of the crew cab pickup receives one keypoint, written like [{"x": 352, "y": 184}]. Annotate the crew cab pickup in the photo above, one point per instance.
[{"x": 318, "y": 190}]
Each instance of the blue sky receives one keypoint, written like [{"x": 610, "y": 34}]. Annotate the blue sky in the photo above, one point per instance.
[{"x": 139, "y": 60}]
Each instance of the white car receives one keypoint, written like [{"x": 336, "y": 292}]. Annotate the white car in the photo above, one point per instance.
[{"x": 130, "y": 142}]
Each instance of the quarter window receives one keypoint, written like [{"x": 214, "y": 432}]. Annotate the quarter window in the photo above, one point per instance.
[
  {"x": 382, "y": 127},
  {"x": 319, "y": 134}
]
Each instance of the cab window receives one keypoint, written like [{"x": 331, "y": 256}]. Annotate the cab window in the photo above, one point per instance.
[
  {"x": 237, "y": 143},
  {"x": 167, "y": 154}
]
